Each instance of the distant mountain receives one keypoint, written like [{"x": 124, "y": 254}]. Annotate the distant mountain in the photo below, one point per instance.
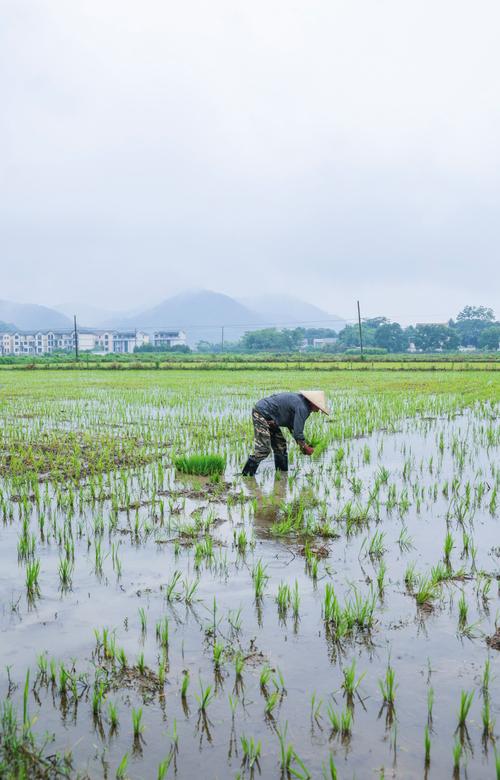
[
  {"x": 7, "y": 327},
  {"x": 285, "y": 310},
  {"x": 30, "y": 316},
  {"x": 201, "y": 313}
]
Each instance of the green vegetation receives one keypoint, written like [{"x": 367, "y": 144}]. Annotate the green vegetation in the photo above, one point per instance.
[{"x": 201, "y": 465}]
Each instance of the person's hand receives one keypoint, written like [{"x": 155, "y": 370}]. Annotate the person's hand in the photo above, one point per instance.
[{"x": 307, "y": 450}]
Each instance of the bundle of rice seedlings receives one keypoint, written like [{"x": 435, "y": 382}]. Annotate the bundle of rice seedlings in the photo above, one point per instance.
[
  {"x": 201, "y": 465},
  {"x": 320, "y": 443}
]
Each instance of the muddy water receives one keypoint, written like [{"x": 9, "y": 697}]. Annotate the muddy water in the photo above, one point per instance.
[{"x": 425, "y": 648}]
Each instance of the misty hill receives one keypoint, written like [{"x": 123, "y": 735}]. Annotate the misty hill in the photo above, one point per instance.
[
  {"x": 201, "y": 314},
  {"x": 285, "y": 310},
  {"x": 30, "y": 316},
  {"x": 7, "y": 327}
]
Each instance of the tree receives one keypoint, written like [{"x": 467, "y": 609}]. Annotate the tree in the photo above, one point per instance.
[
  {"x": 390, "y": 336},
  {"x": 471, "y": 322},
  {"x": 482, "y": 313},
  {"x": 375, "y": 322},
  {"x": 349, "y": 337},
  {"x": 272, "y": 339},
  {"x": 490, "y": 337},
  {"x": 435, "y": 338}
]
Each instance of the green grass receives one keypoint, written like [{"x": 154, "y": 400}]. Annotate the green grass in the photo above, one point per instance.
[{"x": 200, "y": 465}]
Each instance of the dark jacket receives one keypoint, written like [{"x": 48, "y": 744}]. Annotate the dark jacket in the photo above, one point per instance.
[{"x": 288, "y": 410}]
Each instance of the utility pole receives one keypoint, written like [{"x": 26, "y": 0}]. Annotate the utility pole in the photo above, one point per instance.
[
  {"x": 76, "y": 339},
  {"x": 360, "y": 333},
  {"x": 222, "y": 339}
]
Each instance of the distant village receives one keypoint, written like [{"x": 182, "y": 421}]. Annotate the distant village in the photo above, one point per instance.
[{"x": 101, "y": 342}]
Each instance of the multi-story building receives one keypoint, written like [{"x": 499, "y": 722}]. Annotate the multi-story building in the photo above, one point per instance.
[
  {"x": 169, "y": 338},
  {"x": 128, "y": 340},
  {"x": 89, "y": 340}
]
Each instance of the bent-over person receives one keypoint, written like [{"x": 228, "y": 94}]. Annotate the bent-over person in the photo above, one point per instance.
[{"x": 282, "y": 410}]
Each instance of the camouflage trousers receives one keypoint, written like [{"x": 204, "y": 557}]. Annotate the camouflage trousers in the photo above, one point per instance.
[{"x": 267, "y": 437}]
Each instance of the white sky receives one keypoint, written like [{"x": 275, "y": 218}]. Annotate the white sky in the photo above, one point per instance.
[{"x": 331, "y": 150}]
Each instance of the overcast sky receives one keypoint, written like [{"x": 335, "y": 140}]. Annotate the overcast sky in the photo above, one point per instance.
[{"x": 331, "y": 150}]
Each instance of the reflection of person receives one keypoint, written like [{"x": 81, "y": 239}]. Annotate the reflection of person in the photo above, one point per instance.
[{"x": 288, "y": 410}]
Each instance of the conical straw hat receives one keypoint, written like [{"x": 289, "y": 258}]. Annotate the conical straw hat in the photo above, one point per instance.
[{"x": 316, "y": 397}]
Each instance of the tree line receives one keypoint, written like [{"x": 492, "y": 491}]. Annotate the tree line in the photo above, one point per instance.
[{"x": 474, "y": 327}]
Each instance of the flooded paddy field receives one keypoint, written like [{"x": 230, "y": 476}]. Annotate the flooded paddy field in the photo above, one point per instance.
[{"x": 339, "y": 621}]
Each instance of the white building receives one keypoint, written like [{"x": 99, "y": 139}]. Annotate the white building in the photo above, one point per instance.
[
  {"x": 320, "y": 343},
  {"x": 128, "y": 340},
  {"x": 47, "y": 341},
  {"x": 169, "y": 338},
  {"x": 37, "y": 343}
]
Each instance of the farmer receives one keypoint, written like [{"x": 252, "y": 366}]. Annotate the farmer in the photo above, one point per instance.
[{"x": 289, "y": 410}]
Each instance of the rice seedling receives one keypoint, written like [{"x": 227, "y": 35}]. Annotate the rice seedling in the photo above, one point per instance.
[
  {"x": 260, "y": 579},
  {"x": 333, "y": 718},
  {"x": 65, "y": 570},
  {"x": 121, "y": 771},
  {"x": 251, "y": 751},
  {"x": 463, "y": 611},
  {"x": 162, "y": 632},
  {"x": 316, "y": 707},
  {"x": 190, "y": 589},
  {"x": 271, "y": 702},
  {"x": 143, "y": 619},
  {"x": 137, "y": 726},
  {"x": 283, "y": 598},
  {"x": 427, "y": 746},
  {"x": 346, "y": 720},
  {"x": 330, "y": 771},
  {"x": 382, "y": 569},
  {"x": 288, "y": 755},
  {"x": 488, "y": 721},
  {"x": 405, "y": 541},
  {"x": 241, "y": 541},
  {"x": 122, "y": 658},
  {"x": 457, "y": 755},
  {"x": 486, "y": 677},
  {"x": 295, "y": 598},
  {"x": 233, "y": 703},
  {"x": 141, "y": 664},
  {"x": 376, "y": 545},
  {"x": 98, "y": 697},
  {"x": 388, "y": 686},
  {"x": 430, "y": 704},
  {"x": 200, "y": 465},
  {"x": 351, "y": 683},
  {"x": 265, "y": 677},
  {"x": 164, "y": 766},
  {"x": 205, "y": 696},
  {"x": 448, "y": 546},
  {"x": 32, "y": 575},
  {"x": 26, "y": 722},
  {"x": 320, "y": 444},
  {"x": 170, "y": 588},
  {"x": 113, "y": 715},
  {"x": 427, "y": 591},
  {"x": 239, "y": 664},
  {"x": 411, "y": 576},
  {"x": 185, "y": 684},
  {"x": 218, "y": 654},
  {"x": 465, "y": 705}
]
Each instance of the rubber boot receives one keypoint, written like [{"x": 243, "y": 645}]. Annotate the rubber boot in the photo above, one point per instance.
[
  {"x": 281, "y": 461},
  {"x": 250, "y": 467}
]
